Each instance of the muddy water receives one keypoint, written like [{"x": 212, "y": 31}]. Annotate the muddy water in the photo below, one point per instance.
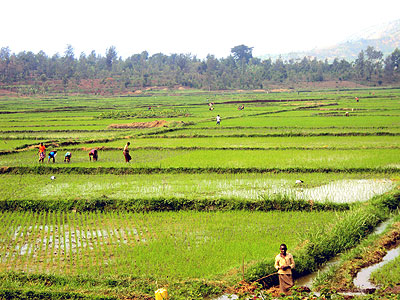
[
  {"x": 362, "y": 280},
  {"x": 308, "y": 279},
  {"x": 66, "y": 240}
]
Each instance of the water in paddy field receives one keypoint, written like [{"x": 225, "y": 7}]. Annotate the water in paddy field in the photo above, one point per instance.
[
  {"x": 66, "y": 240},
  {"x": 340, "y": 191},
  {"x": 362, "y": 280},
  {"x": 346, "y": 191},
  {"x": 307, "y": 280}
]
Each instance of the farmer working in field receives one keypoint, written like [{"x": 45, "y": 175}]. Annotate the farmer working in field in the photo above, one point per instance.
[
  {"x": 126, "y": 153},
  {"x": 52, "y": 155},
  {"x": 93, "y": 153},
  {"x": 67, "y": 157},
  {"x": 284, "y": 263},
  {"x": 218, "y": 120},
  {"x": 42, "y": 152}
]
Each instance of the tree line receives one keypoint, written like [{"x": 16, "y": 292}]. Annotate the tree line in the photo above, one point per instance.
[{"x": 239, "y": 70}]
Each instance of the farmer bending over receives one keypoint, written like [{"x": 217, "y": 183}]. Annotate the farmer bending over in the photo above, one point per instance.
[
  {"x": 284, "y": 263},
  {"x": 67, "y": 157},
  {"x": 93, "y": 153},
  {"x": 52, "y": 155}
]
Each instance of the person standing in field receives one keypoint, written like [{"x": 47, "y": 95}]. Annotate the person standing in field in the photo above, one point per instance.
[
  {"x": 52, "y": 155},
  {"x": 93, "y": 153},
  {"x": 126, "y": 153},
  {"x": 218, "y": 120},
  {"x": 284, "y": 263},
  {"x": 42, "y": 152}
]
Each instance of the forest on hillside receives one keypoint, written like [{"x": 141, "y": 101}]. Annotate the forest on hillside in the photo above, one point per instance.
[{"x": 240, "y": 70}]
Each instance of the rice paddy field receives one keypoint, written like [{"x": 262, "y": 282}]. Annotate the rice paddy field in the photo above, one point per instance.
[{"x": 298, "y": 147}]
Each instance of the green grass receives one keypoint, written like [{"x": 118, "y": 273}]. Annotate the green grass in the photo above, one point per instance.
[
  {"x": 389, "y": 274},
  {"x": 179, "y": 245},
  {"x": 14, "y": 144},
  {"x": 193, "y": 186},
  {"x": 331, "y": 142},
  {"x": 301, "y": 159},
  {"x": 306, "y": 133}
]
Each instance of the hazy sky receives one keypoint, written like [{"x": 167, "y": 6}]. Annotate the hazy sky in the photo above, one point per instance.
[{"x": 186, "y": 26}]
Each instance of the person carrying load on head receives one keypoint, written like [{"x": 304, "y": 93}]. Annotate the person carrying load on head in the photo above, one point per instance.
[
  {"x": 284, "y": 263},
  {"x": 42, "y": 152},
  {"x": 93, "y": 153},
  {"x": 67, "y": 157},
  {"x": 52, "y": 155},
  {"x": 126, "y": 153}
]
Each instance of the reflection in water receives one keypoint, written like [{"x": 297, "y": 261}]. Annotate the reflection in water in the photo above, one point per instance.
[
  {"x": 307, "y": 280},
  {"x": 362, "y": 279}
]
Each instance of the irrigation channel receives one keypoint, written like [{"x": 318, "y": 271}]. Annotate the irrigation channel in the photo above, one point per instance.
[{"x": 361, "y": 282}]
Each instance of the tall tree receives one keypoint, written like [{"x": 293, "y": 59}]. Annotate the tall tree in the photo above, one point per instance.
[
  {"x": 242, "y": 53},
  {"x": 111, "y": 57}
]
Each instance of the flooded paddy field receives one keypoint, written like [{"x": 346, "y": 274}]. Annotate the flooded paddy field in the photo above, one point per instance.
[
  {"x": 58, "y": 242},
  {"x": 284, "y": 147},
  {"x": 338, "y": 188}
]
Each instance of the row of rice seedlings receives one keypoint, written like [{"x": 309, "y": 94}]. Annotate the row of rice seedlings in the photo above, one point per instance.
[
  {"x": 18, "y": 246},
  {"x": 84, "y": 240},
  {"x": 101, "y": 242},
  {"x": 111, "y": 240},
  {"x": 341, "y": 191},
  {"x": 229, "y": 159},
  {"x": 71, "y": 244},
  {"x": 8, "y": 222},
  {"x": 3, "y": 220},
  {"x": 7, "y": 237},
  {"x": 92, "y": 239},
  {"x": 58, "y": 237},
  {"x": 29, "y": 242},
  {"x": 161, "y": 244},
  {"x": 18, "y": 236},
  {"x": 40, "y": 243}
]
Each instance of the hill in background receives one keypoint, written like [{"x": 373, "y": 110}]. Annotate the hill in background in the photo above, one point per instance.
[{"x": 384, "y": 37}]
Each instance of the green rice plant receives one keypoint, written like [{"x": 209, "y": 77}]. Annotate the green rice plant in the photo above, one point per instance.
[
  {"x": 320, "y": 245},
  {"x": 69, "y": 264},
  {"x": 54, "y": 229},
  {"x": 226, "y": 160},
  {"x": 254, "y": 143},
  {"x": 387, "y": 275},
  {"x": 32, "y": 242},
  {"x": 101, "y": 243},
  {"x": 5, "y": 242},
  {"x": 58, "y": 237},
  {"x": 41, "y": 241},
  {"x": 48, "y": 254},
  {"x": 84, "y": 241},
  {"x": 19, "y": 235},
  {"x": 94, "y": 241}
]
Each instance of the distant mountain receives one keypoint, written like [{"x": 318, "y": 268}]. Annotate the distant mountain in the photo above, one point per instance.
[{"x": 384, "y": 37}]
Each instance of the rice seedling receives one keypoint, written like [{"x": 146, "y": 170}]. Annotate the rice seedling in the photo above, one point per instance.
[
  {"x": 190, "y": 236},
  {"x": 283, "y": 132}
]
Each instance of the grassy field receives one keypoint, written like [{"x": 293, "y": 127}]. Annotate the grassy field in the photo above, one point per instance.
[
  {"x": 179, "y": 244},
  {"x": 318, "y": 187},
  {"x": 379, "y": 159},
  {"x": 256, "y": 153}
]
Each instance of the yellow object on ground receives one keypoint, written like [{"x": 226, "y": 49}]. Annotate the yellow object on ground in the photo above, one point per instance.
[{"x": 161, "y": 294}]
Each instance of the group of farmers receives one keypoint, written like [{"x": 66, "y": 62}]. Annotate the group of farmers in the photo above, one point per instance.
[{"x": 93, "y": 154}]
